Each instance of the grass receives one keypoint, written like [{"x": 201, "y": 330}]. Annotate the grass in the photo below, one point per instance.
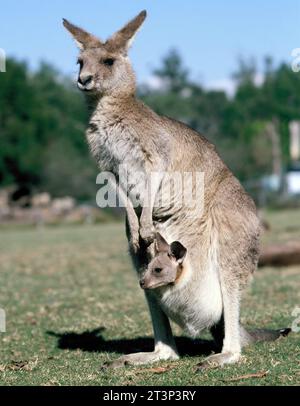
[{"x": 72, "y": 302}]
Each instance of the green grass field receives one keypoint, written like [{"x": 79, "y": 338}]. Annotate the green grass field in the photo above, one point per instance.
[{"x": 72, "y": 302}]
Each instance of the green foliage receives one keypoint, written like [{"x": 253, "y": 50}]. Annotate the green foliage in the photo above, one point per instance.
[
  {"x": 43, "y": 117},
  {"x": 236, "y": 125},
  {"x": 42, "y": 122}
]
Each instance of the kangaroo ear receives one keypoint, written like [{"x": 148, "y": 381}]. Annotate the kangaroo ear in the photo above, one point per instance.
[
  {"x": 82, "y": 38},
  {"x": 178, "y": 251},
  {"x": 161, "y": 244},
  {"x": 122, "y": 39}
]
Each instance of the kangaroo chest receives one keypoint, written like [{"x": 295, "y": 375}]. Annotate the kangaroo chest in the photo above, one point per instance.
[{"x": 118, "y": 150}]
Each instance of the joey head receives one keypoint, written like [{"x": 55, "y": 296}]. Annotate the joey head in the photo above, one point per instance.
[{"x": 167, "y": 265}]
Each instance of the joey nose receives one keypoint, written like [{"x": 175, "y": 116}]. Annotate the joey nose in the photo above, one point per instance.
[{"x": 142, "y": 283}]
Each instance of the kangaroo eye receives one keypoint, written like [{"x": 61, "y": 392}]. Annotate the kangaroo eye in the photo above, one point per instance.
[
  {"x": 80, "y": 62},
  {"x": 157, "y": 270},
  {"x": 108, "y": 61}
]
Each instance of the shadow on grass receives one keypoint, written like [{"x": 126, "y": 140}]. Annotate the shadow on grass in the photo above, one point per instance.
[{"x": 93, "y": 341}]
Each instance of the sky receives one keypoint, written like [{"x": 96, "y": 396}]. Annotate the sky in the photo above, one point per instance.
[{"x": 210, "y": 35}]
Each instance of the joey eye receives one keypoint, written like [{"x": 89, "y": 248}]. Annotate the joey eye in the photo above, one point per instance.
[
  {"x": 157, "y": 270},
  {"x": 80, "y": 62},
  {"x": 108, "y": 61}
]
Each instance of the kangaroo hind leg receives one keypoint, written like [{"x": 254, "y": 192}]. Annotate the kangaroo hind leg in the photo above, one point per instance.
[{"x": 231, "y": 348}]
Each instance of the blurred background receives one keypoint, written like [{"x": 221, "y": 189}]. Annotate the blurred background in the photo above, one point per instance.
[{"x": 224, "y": 68}]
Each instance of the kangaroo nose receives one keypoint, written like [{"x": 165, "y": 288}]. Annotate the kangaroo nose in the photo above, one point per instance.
[
  {"x": 142, "y": 283},
  {"x": 84, "y": 80}
]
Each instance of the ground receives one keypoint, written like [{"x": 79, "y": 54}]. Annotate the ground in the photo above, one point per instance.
[{"x": 72, "y": 302}]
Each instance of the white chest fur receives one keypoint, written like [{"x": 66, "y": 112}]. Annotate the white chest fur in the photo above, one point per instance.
[{"x": 117, "y": 150}]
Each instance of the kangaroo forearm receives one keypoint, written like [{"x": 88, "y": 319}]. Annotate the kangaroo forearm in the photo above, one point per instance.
[
  {"x": 146, "y": 219},
  {"x": 133, "y": 221}
]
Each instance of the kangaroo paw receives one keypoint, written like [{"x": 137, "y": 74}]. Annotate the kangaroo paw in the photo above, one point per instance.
[{"x": 147, "y": 234}]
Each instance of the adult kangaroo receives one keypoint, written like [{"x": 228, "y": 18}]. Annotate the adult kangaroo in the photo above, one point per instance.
[{"x": 222, "y": 242}]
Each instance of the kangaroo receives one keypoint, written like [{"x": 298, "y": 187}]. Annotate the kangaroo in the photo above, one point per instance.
[{"x": 222, "y": 242}]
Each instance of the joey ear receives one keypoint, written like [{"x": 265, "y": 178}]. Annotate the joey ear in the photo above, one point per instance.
[
  {"x": 122, "y": 39},
  {"x": 82, "y": 38},
  {"x": 178, "y": 251},
  {"x": 161, "y": 244}
]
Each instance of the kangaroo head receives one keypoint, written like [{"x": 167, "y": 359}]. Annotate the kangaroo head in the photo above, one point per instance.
[
  {"x": 104, "y": 67},
  {"x": 166, "y": 266}
]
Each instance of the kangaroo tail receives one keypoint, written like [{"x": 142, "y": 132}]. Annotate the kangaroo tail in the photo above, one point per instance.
[{"x": 248, "y": 337}]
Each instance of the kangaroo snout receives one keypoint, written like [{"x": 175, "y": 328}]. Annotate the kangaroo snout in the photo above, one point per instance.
[
  {"x": 85, "y": 81},
  {"x": 142, "y": 283}
]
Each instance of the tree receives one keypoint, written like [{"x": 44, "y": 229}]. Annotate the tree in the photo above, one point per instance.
[{"x": 38, "y": 111}]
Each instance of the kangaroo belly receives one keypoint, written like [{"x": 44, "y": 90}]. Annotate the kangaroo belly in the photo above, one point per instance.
[{"x": 197, "y": 306}]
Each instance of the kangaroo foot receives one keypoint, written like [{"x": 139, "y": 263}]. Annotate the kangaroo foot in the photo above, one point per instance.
[
  {"x": 218, "y": 360},
  {"x": 141, "y": 358}
]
